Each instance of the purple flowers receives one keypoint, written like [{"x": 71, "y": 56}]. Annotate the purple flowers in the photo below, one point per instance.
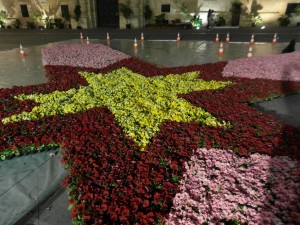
[
  {"x": 274, "y": 67},
  {"x": 219, "y": 185},
  {"x": 81, "y": 55}
]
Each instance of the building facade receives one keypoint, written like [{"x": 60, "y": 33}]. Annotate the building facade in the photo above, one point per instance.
[{"x": 105, "y": 13}]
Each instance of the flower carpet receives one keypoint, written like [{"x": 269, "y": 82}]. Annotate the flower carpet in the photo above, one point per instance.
[{"x": 149, "y": 145}]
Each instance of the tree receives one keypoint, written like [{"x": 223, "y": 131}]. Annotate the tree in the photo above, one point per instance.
[
  {"x": 250, "y": 11},
  {"x": 3, "y": 17},
  {"x": 188, "y": 9},
  {"x": 52, "y": 9},
  {"x": 255, "y": 16},
  {"x": 37, "y": 16}
]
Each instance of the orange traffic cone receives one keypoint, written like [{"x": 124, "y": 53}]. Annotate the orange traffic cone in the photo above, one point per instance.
[
  {"x": 81, "y": 36},
  {"x": 252, "y": 40},
  {"x": 87, "y": 40},
  {"x": 274, "y": 41},
  {"x": 107, "y": 36},
  {"x": 221, "y": 50},
  {"x": 217, "y": 38},
  {"x": 135, "y": 44},
  {"x": 249, "y": 54},
  {"x": 227, "y": 38},
  {"x": 22, "y": 53},
  {"x": 142, "y": 37},
  {"x": 178, "y": 37}
]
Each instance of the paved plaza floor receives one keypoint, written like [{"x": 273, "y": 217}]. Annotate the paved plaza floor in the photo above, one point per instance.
[{"x": 46, "y": 201}]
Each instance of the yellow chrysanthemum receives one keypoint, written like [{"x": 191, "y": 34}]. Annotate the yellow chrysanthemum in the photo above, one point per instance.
[{"x": 139, "y": 104}]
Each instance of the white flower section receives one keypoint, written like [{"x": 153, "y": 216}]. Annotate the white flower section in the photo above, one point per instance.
[
  {"x": 82, "y": 55},
  {"x": 274, "y": 67}
]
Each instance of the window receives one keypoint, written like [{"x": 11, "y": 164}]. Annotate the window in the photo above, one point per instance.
[
  {"x": 64, "y": 11},
  {"x": 291, "y": 8},
  {"x": 24, "y": 10},
  {"x": 165, "y": 8}
]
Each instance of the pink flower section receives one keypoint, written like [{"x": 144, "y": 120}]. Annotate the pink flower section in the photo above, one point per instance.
[
  {"x": 82, "y": 55},
  {"x": 219, "y": 186},
  {"x": 274, "y": 67}
]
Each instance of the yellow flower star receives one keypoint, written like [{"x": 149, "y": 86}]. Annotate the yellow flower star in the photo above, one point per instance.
[{"x": 139, "y": 104}]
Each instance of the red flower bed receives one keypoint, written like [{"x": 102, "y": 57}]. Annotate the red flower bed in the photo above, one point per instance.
[{"x": 110, "y": 180}]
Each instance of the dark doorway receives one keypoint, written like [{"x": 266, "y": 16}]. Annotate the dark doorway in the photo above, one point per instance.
[
  {"x": 108, "y": 13},
  {"x": 24, "y": 10}
]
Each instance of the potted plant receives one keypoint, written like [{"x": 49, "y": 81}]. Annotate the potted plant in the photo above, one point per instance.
[
  {"x": 284, "y": 20},
  {"x": 48, "y": 23},
  {"x": 220, "y": 21},
  {"x": 59, "y": 23},
  {"x": 160, "y": 19},
  {"x": 196, "y": 22},
  {"x": 77, "y": 12},
  {"x": 3, "y": 17},
  {"x": 256, "y": 20},
  {"x": 236, "y": 10},
  {"x": 127, "y": 12},
  {"x": 18, "y": 24},
  {"x": 30, "y": 25}
]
